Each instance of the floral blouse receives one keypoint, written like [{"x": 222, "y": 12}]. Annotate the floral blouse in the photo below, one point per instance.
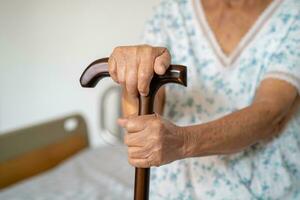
[{"x": 218, "y": 85}]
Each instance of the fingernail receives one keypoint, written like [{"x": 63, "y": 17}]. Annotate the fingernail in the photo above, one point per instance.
[{"x": 143, "y": 94}]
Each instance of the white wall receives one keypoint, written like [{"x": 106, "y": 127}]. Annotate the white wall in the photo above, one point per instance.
[{"x": 44, "y": 47}]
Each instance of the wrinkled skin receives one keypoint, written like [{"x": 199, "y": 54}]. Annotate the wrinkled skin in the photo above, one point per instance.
[
  {"x": 152, "y": 140},
  {"x": 133, "y": 66}
]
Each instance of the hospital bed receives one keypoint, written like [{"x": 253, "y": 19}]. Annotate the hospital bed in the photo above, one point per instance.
[{"x": 53, "y": 160}]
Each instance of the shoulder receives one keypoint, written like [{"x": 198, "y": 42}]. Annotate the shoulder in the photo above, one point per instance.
[
  {"x": 284, "y": 21},
  {"x": 289, "y": 15}
]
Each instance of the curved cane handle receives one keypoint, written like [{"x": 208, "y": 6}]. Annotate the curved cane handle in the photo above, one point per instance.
[
  {"x": 94, "y": 73},
  {"x": 99, "y": 69}
]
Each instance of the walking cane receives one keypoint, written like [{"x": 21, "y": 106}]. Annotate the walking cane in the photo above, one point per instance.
[{"x": 175, "y": 74}]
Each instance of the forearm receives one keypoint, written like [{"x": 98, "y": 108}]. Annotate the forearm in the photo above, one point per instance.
[{"x": 233, "y": 132}]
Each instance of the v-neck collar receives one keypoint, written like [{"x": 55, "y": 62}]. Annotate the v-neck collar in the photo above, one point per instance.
[{"x": 227, "y": 60}]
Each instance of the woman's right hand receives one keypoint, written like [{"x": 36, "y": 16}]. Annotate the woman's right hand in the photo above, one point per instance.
[{"x": 133, "y": 68}]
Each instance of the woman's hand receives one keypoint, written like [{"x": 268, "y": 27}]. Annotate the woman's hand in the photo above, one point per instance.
[
  {"x": 133, "y": 67},
  {"x": 152, "y": 140}
]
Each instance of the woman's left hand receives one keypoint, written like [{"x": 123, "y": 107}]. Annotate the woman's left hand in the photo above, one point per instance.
[{"x": 152, "y": 140}]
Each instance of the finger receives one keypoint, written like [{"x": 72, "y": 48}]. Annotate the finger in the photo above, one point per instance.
[
  {"x": 150, "y": 161},
  {"x": 138, "y": 123},
  {"x": 140, "y": 163},
  {"x": 162, "y": 62},
  {"x": 112, "y": 68},
  {"x": 136, "y": 140},
  {"x": 138, "y": 153},
  {"x": 121, "y": 69},
  {"x": 131, "y": 77},
  {"x": 145, "y": 74}
]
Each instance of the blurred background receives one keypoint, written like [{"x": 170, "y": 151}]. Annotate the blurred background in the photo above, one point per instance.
[
  {"x": 45, "y": 46},
  {"x": 55, "y": 136}
]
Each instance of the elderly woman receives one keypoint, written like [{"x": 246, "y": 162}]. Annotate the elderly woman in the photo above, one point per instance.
[{"x": 234, "y": 132}]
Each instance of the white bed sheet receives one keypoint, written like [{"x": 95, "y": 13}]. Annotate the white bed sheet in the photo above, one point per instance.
[{"x": 101, "y": 173}]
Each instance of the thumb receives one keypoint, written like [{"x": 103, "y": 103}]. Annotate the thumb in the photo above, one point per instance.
[{"x": 162, "y": 62}]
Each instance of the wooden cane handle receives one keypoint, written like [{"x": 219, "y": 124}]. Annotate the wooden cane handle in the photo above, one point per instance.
[
  {"x": 99, "y": 69},
  {"x": 94, "y": 73},
  {"x": 175, "y": 74}
]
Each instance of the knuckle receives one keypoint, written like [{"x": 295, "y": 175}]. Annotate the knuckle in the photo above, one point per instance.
[
  {"x": 134, "y": 51},
  {"x": 142, "y": 49},
  {"x": 142, "y": 89},
  {"x": 147, "y": 52},
  {"x": 121, "y": 78},
  {"x": 144, "y": 76},
  {"x": 130, "y": 83},
  {"x": 139, "y": 51},
  {"x": 145, "y": 45},
  {"x": 149, "y": 49},
  {"x": 117, "y": 50},
  {"x": 121, "y": 81}
]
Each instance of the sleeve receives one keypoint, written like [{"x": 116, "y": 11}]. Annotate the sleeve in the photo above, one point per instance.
[
  {"x": 155, "y": 33},
  {"x": 284, "y": 64}
]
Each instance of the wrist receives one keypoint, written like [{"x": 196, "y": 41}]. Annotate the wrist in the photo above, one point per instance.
[{"x": 189, "y": 141}]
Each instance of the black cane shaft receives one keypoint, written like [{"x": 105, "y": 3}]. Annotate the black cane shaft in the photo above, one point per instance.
[
  {"x": 141, "y": 185},
  {"x": 142, "y": 175}
]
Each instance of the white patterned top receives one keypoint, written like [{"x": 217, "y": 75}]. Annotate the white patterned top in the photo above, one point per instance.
[{"x": 220, "y": 84}]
